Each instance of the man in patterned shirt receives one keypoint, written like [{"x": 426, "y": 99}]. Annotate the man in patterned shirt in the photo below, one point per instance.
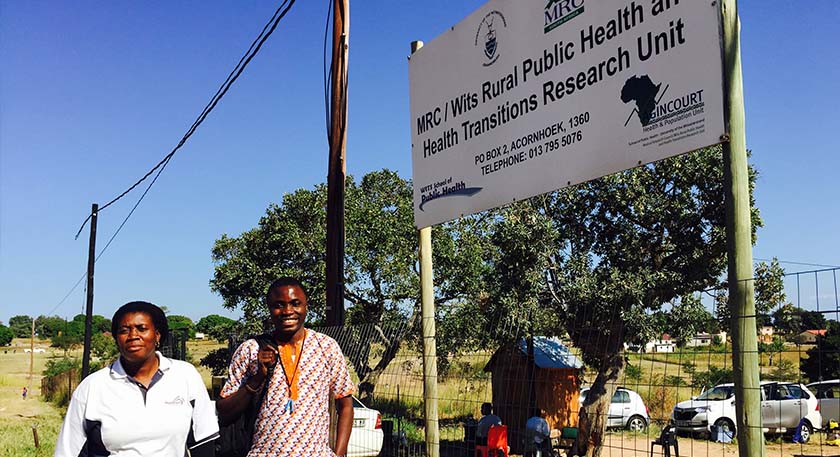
[{"x": 294, "y": 418}]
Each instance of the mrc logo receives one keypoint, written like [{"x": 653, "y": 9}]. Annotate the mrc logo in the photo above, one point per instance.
[{"x": 559, "y": 12}]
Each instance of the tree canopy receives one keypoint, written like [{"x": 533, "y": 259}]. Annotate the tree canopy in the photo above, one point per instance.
[
  {"x": 216, "y": 326},
  {"x": 21, "y": 326},
  {"x": 616, "y": 250},
  {"x": 177, "y": 322},
  {"x": 823, "y": 360},
  {"x": 6, "y": 335},
  {"x": 381, "y": 280}
]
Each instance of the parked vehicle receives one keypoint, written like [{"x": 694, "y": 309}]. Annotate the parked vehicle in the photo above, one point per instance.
[
  {"x": 627, "y": 410},
  {"x": 366, "y": 437},
  {"x": 783, "y": 406},
  {"x": 828, "y": 396}
]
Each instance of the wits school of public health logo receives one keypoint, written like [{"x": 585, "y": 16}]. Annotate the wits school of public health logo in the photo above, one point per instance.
[
  {"x": 489, "y": 34},
  {"x": 559, "y": 12}
]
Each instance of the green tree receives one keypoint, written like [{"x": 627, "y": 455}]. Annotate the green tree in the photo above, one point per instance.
[
  {"x": 6, "y": 335},
  {"x": 177, "y": 322},
  {"x": 66, "y": 342},
  {"x": 769, "y": 294},
  {"x": 624, "y": 245},
  {"x": 103, "y": 346},
  {"x": 381, "y": 280},
  {"x": 790, "y": 320},
  {"x": 50, "y": 326},
  {"x": 772, "y": 349},
  {"x": 216, "y": 326},
  {"x": 686, "y": 318},
  {"x": 21, "y": 326},
  {"x": 823, "y": 360}
]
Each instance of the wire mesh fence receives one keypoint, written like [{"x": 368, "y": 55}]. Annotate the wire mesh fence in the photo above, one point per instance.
[
  {"x": 666, "y": 390},
  {"x": 683, "y": 385}
]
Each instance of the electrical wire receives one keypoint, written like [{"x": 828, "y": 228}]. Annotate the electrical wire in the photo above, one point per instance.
[
  {"x": 255, "y": 47},
  {"x": 252, "y": 51},
  {"x": 805, "y": 264}
]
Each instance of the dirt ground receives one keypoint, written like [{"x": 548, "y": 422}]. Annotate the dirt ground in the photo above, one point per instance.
[{"x": 639, "y": 446}]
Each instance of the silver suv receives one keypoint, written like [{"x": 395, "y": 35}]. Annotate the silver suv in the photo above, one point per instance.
[
  {"x": 627, "y": 410},
  {"x": 783, "y": 406},
  {"x": 828, "y": 396}
]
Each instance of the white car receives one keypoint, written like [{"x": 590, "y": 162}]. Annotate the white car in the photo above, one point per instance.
[
  {"x": 627, "y": 410},
  {"x": 828, "y": 396},
  {"x": 783, "y": 406},
  {"x": 366, "y": 437}
]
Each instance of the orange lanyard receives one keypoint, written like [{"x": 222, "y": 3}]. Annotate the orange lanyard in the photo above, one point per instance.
[{"x": 290, "y": 355}]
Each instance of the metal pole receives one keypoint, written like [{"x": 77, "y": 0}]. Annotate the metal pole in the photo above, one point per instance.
[
  {"x": 427, "y": 307},
  {"x": 337, "y": 166},
  {"x": 94, "y": 210},
  {"x": 739, "y": 245}
]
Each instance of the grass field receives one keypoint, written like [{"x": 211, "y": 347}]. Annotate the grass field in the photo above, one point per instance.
[{"x": 19, "y": 416}]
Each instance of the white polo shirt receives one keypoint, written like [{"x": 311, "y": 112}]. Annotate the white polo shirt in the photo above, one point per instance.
[{"x": 111, "y": 414}]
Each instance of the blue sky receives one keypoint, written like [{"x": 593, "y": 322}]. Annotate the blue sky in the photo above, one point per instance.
[{"x": 92, "y": 94}]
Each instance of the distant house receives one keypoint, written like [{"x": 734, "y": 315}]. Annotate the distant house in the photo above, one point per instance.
[
  {"x": 809, "y": 336},
  {"x": 765, "y": 334},
  {"x": 556, "y": 383},
  {"x": 700, "y": 339},
  {"x": 662, "y": 345},
  {"x": 199, "y": 336}
]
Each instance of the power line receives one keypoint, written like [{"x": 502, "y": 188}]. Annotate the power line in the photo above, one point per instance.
[
  {"x": 252, "y": 51},
  {"x": 805, "y": 264}
]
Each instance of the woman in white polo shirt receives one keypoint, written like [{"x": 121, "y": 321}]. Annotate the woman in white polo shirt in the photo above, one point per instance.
[{"x": 143, "y": 404}]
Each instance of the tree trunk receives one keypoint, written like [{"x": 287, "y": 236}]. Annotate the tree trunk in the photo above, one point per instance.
[{"x": 592, "y": 423}]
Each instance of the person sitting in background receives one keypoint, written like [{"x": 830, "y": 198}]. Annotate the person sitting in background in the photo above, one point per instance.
[
  {"x": 537, "y": 432},
  {"x": 487, "y": 420}
]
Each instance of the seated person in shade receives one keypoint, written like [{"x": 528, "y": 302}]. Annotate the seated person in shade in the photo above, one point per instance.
[
  {"x": 487, "y": 419},
  {"x": 536, "y": 428}
]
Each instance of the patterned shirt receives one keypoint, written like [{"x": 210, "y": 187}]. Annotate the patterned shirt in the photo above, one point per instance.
[{"x": 305, "y": 432}]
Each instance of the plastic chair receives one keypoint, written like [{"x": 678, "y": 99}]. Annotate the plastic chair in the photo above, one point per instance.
[
  {"x": 667, "y": 439},
  {"x": 497, "y": 443}
]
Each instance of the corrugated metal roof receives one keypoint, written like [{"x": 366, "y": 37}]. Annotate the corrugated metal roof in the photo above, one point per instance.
[{"x": 550, "y": 353}]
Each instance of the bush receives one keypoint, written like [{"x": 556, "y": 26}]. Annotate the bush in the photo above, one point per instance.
[
  {"x": 712, "y": 377},
  {"x": 661, "y": 400},
  {"x": 633, "y": 372},
  {"x": 56, "y": 367},
  {"x": 217, "y": 361}
]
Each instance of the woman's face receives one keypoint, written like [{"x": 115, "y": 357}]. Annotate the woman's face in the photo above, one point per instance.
[{"x": 137, "y": 337}]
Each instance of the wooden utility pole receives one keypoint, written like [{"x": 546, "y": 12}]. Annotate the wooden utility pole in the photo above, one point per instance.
[
  {"x": 31, "y": 357},
  {"x": 739, "y": 244},
  {"x": 94, "y": 210},
  {"x": 427, "y": 310},
  {"x": 337, "y": 165}
]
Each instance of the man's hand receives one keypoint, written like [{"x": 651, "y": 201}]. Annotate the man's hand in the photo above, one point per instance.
[{"x": 266, "y": 361}]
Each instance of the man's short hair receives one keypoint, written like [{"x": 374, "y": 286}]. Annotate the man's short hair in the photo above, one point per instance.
[
  {"x": 156, "y": 314},
  {"x": 487, "y": 406},
  {"x": 286, "y": 281}
]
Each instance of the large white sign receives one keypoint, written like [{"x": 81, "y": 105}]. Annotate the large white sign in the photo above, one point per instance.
[{"x": 526, "y": 96}]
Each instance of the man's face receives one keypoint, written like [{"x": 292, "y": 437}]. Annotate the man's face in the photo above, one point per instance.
[{"x": 287, "y": 306}]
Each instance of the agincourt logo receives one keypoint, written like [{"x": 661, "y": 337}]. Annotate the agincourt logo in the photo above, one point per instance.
[
  {"x": 559, "y": 12},
  {"x": 487, "y": 36},
  {"x": 652, "y": 107}
]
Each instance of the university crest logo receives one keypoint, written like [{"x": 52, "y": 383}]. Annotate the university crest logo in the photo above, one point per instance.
[{"x": 489, "y": 34}]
